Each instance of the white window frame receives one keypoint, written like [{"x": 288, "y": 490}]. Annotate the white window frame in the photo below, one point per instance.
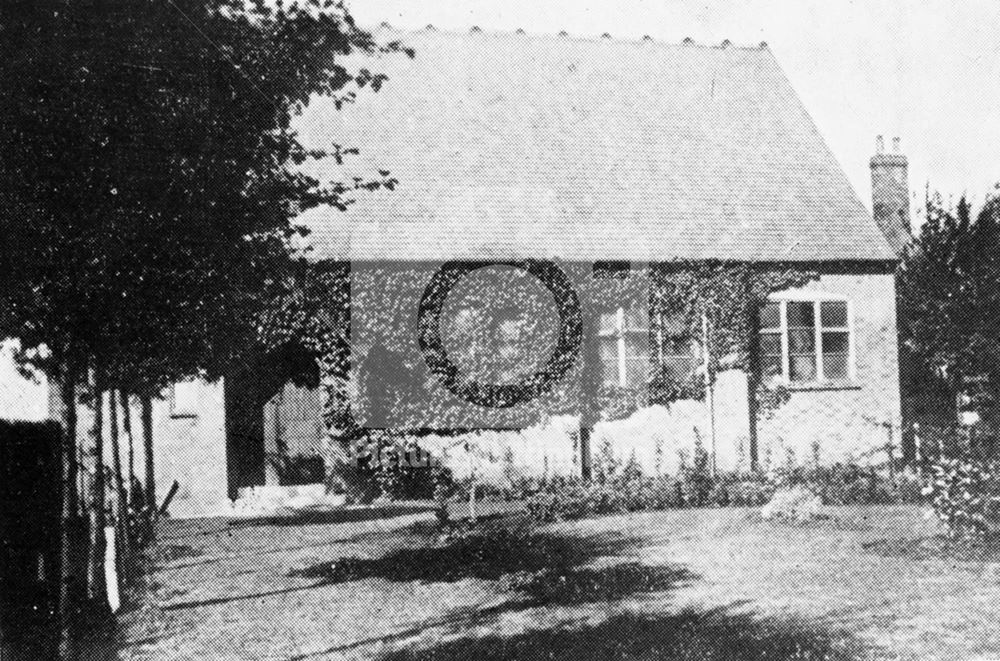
[
  {"x": 619, "y": 332},
  {"x": 817, "y": 299}
]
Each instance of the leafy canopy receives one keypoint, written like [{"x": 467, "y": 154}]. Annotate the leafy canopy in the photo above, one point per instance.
[
  {"x": 950, "y": 298},
  {"x": 149, "y": 173}
]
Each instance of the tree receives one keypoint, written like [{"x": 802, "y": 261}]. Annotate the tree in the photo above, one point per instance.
[
  {"x": 150, "y": 182},
  {"x": 949, "y": 308}
]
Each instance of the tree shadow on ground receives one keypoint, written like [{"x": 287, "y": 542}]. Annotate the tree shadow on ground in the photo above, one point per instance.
[
  {"x": 487, "y": 554},
  {"x": 328, "y": 516},
  {"x": 631, "y": 596},
  {"x": 719, "y": 634},
  {"x": 937, "y": 547},
  {"x": 496, "y": 549},
  {"x": 558, "y": 585}
]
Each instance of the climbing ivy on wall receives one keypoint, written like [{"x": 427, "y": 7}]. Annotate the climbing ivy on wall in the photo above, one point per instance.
[{"x": 713, "y": 299}]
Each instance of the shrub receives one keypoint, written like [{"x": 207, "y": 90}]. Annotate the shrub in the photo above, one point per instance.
[
  {"x": 847, "y": 484},
  {"x": 697, "y": 481},
  {"x": 797, "y": 503},
  {"x": 663, "y": 493},
  {"x": 910, "y": 487},
  {"x": 379, "y": 470},
  {"x": 744, "y": 490},
  {"x": 564, "y": 500},
  {"x": 965, "y": 495},
  {"x": 620, "y": 488}
]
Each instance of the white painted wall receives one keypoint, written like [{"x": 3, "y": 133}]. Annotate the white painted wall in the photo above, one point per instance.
[{"x": 21, "y": 398}]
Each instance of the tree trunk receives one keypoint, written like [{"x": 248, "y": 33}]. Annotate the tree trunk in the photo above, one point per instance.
[
  {"x": 70, "y": 510},
  {"x": 122, "y": 503},
  {"x": 147, "y": 447},
  {"x": 127, "y": 426},
  {"x": 122, "y": 499},
  {"x": 96, "y": 569}
]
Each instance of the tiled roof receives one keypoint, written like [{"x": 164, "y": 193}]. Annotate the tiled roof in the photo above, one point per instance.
[{"x": 511, "y": 145}]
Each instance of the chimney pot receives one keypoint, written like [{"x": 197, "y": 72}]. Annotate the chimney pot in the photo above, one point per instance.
[
  {"x": 879, "y": 144},
  {"x": 895, "y": 145}
]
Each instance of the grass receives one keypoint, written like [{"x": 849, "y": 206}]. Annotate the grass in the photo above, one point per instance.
[{"x": 866, "y": 583}]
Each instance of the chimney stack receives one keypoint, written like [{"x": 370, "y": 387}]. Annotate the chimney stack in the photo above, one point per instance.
[{"x": 891, "y": 195}]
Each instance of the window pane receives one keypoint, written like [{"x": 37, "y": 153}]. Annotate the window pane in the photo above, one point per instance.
[
  {"x": 801, "y": 341},
  {"x": 835, "y": 355},
  {"x": 770, "y": 315},
  {"x": 802, "y": 368},
  {"x": 833, "y": 314},
  {"x": 770, "y": 344},
  {"x": 637, "y": 346},
  {"x": 835, "y": 366},
  {"x": 608, "y": 349},
  {"x": 834, "y": 342},
  {"x": 609, "y": 322},
  {"x": 637, "y": 319},
  {"x": 800, "y": 314}
]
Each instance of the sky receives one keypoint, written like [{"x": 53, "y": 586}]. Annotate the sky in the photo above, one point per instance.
[{"x": 926, "y": 72}]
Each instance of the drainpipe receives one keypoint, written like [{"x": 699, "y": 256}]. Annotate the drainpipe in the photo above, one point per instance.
[{"x": 709, "y": 389}]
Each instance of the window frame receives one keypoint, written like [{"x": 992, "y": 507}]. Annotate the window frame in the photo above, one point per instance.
[
  {"x": 618, "y": 333},
  {"x": 816, "y": 299},
  {"x": 656, "y": 356}
]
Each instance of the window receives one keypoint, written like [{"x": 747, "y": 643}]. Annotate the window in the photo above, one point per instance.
[
  {"x": 184, "y": 399},
  {"x": 624, "y": 347},
  {"x": 631, "y": 347},
  {"x": 675, "y": 349},
  {"x": 806, "y": 341}
]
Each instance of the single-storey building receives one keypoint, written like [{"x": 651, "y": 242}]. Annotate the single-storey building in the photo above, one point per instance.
[{"x": 597, "y": 154}]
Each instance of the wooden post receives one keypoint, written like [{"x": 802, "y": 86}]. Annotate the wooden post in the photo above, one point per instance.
[{"x": 590, "y": 383}]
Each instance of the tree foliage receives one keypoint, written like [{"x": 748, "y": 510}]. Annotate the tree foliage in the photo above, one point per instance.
[
  {"x": 149, "y": 174},
  {"x": 950, "y": 300},
  {"x": 149, "y": 170}
]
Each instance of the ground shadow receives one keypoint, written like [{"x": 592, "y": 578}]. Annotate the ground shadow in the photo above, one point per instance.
[
  {"x": 485, "y": 554},
  {"x": 624, "y": 591},
  {"x": 494, "y": 551},
  {"x": 328, "y": 516},
  {"x": 937, "y": 547},
  {"x": 551, "y": 586},
  {"x": 720, "y": 634}
]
